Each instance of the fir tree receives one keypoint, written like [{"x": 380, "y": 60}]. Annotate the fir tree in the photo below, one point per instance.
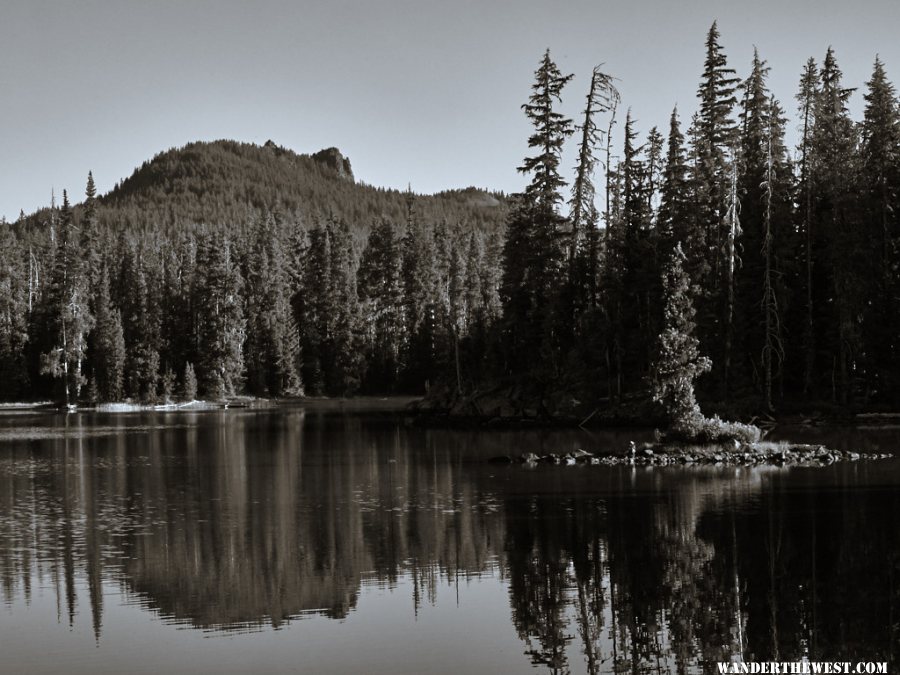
[
  {"x": 532, "y": 252},
  {"x": 272, "y": 335},
  {"x": 140, "y": 322},
  {"x": 221, "y": 319},
  {"x": 678, "y": 363},
  {"x": 108, "y": 354},
  {"x": 713, "y": 138},
  {"x": 674, "y": 221},
  {"x": 880, "y": 186},
  {"x": 312, "y": 308},
  {"x": 837, "y": 246},
  {"x": 379, "y": 280},
  {"x": 806, "y": 98},
  {"x": 419, "y": 310},
  {"x": 189, "y": 383},
  {"x": 69, "y": 318},
  {"x": 551, "y": 128},
  {"x": 764, "y": 191},
  {"x": 14, "y": 300},
  {"x": 344, "y": 338}
]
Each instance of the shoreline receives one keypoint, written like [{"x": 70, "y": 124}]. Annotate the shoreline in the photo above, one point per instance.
[{"x": 411, "y": 407}]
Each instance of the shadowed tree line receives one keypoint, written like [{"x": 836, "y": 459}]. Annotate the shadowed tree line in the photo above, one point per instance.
[
  {"x": 302, "y": 281},
  {"x": 790, "y": 259}
]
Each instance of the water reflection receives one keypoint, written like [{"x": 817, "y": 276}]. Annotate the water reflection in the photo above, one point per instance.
[{"x": 239, "y": 521}]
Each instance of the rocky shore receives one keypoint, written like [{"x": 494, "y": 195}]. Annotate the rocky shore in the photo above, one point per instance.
[{"x": 648, "y": 454}]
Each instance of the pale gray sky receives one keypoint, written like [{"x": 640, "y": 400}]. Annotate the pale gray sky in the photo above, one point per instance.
[{"x": 420, "y": 91}]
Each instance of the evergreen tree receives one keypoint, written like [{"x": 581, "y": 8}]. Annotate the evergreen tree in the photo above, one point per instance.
[
  {"x": 765, "y": 193},
  {"x": 91, "y": 238},
  {"x": 675, "y": 219},
  {"x": 678, "y": 363},
  {"x": 167, "y": 386},
  {"x": 178, "y": 327},
  {"x": 311, "y": 308},
  {"x": 329, "y": 314},
  {"x": 714, "y": 141},
  {"x": 140, "y": 322},
  {"x": 344, "y": 340},
  {"x": 14, "y": 301},
  {"x": 379, "y": 280},
  {"x": 806, "y": 97},
  {"x": 631, "y": 307},
  {"x": 189, "y": 383},
  {"x": 447, "y": 303},
  {"x": 838, "y": 251},
  {"x": 532, "y": 251},
  {"x": 880, "y": 188},
  {"x": 222, "y": 327},
  {"x": 551, "y": 128},
  {"x": 108, "y": 352},
  {"x": 713, "y": 138},
  {"x": 419, "y": 309},
  {"x": 273, "y": 343},
  {"x": 776, "y": 219},
  {"x": 67, "y": 312}
]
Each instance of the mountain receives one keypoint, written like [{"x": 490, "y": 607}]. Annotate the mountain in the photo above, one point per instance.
[{"x": 227, "y": 183}]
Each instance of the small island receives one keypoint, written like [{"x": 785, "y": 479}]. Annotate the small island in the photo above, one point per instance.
[{"x": 691, "y": 437}]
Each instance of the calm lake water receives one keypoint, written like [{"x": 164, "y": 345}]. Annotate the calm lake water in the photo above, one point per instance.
[{"x": 328, "y": 539}]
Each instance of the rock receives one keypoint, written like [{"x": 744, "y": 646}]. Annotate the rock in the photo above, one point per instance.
[
  {"x": 657, "y": 455},
  {"x": 334, "y": 160}
]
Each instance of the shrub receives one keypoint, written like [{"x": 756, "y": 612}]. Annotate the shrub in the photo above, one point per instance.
[{"x": 700, "y": 429}]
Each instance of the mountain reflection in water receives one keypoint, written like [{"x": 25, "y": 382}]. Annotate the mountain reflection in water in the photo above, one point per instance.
[{"x": 245, "y": 520}]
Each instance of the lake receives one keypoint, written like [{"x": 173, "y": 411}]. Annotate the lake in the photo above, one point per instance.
[{"x": 334, "y": 538}]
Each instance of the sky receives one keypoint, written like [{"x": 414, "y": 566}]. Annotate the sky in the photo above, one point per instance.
[{"x": 420, "y": 92}]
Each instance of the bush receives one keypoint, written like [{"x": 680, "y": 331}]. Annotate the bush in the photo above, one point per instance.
[{"x": 700, "y": 429}]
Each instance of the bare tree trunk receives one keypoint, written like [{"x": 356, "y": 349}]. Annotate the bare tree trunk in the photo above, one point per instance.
[
  {"x": 807, "y": 226},
  {"x": 772, "y": 345},
  {"x": 608, "y": 213},
  {"x": 734, "y": 231}
]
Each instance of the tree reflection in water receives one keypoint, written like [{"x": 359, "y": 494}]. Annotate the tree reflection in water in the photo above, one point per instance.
[{"x": 239, "y": 521}]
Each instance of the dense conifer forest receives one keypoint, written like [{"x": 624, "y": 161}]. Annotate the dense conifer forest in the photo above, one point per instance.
[{"x": 224, "y": 268}]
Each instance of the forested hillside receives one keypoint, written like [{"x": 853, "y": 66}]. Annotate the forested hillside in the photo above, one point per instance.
[
  {"x": 222, "y": 268},
  {"x": 187, "y": 277}
]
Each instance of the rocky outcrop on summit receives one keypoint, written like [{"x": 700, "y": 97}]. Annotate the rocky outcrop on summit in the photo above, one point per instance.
[{"x": 334, "y": 160}]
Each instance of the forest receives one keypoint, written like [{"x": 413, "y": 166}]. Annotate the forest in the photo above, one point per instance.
[{"x": 222, "y": 269}]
